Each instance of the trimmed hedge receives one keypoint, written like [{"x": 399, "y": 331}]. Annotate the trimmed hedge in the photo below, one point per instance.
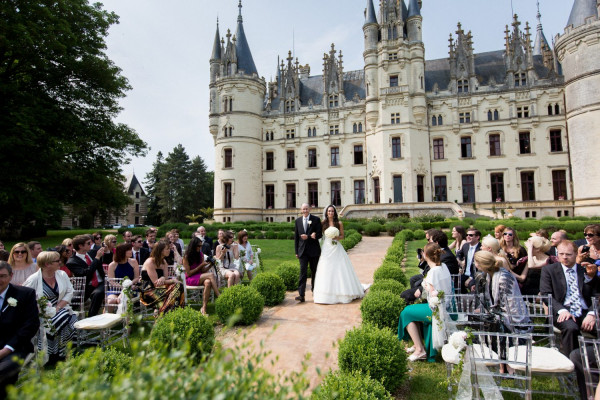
[
  {"x": 373, "y": 229},
  {"x": 390, "y": 285},
  {"x": 270, "y": 286},
  {"x": 390, "y": 271},
  {"x": 351, "y": 239},
  {"x": 289, "y": 272},
  {"x": 245, "y": 299},
  {"x": 350, "y": 385},
  {"x": 183, "y": 325},
  {"x": 382, "y": 309}
]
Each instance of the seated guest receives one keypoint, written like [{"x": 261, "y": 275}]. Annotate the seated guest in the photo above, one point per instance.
[
  {"x": 541, "y": 233},
  {"x": 248, "y": 257},
  {"x": 22, "y": 264},
  {"x": 178, "y": 241},
  {"x": 96, "y": 240},
  {"x": 501, "y": 284},
  {"x": 4, "y": 255},
  {"x": 150, "y": 238},
  {"x": 529, "y": 268},
  {"x": 122, "y": 266},
  {"x": 491, "y": 244},
  {"x": 35, "y": 248},
  {"x": 50, "y": 282},
  {"x": 198, "y": 272},
  {"x": 81, "y": 264},
  {"x": 108, "y": 249},
  {"x": 158, "y": 291},
  {"x": 174, "y": 256},
  {"x": 201, "y": 233},
  {"x": 436, "y": 280},
  {"x": 415, "y": 290},
  {"x": 227, "y": 253},
  {"x": 139, "y": 252},
  {"x": 448, "y": 258},
  {"x": 512, "y": 248},
  {"x": 467, "y": 268},
  {"x": 64, "y": 254},
  {"x": 571, "y": 288},
  {"x": 498, "y": 231},
  {"x": 127, "y": 235},
  {"x": 220, "y": 240},
  {"x": 592, "y": 235},
  {"x": 555, "y": 240},
  {"x": 459, "y": 234},
  {"x": 19, "y": 322}
]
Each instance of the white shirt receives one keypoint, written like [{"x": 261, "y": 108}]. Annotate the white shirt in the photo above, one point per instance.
[
  {"x": 585, "y": 280},
  {"x": 84, "y": 258},
  {"x": 470, "y": 259}
]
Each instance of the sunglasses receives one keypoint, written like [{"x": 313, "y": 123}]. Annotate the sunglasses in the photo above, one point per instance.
[
  {"x": 470, "y": 234},
  {"x": 20, "y": 251},
  {"x": 507, "y": 234},
  {"x": 98, "y": 238},
  {"x": 139, "y": 241},
  {"x": 113, "y": 241},
  {"x": 590, "y": 234}
]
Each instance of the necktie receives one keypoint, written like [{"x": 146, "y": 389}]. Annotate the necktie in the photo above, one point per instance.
[
  {"x": 573, "y": 294},
  {"x": 94, "y": 281},
  {"x": 304, "y": 223},
  {"x": 137, "y": 256}
]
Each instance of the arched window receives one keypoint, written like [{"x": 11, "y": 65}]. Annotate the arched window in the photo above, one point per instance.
[
  {"x": 314, "y": 131},
  {"x": 360, "y": 127},
  {"x": 556, "y": 109},
  {"x": 440, "y": 120},
  {"x": 433, "y": 121},
  {"x": 496, "y": 115},
  {"x": 354, "y": 128},
  {"x": 489, "y": 115}
]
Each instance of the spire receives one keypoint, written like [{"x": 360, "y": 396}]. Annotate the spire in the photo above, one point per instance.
[
  {"x": 245, "y": 61},
  {"x": 370, "y": 17},
  {"x": 404, "y": 10},
  {"x": 413, "y": 9},
  {"x": 216, "y": 52},
  {"x": 581, "y": 10},
  {"x": 540, "y": 40}
]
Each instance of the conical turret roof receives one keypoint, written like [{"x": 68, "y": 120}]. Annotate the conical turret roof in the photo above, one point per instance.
[
  {"x": 245, "y": 62},
  {"x": 581, "y": 10}
]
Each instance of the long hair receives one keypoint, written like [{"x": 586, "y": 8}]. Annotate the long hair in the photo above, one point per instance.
[
  {"x": 336, "y": 221},
  {"x": 120, "y": 255},
  {"x": 192, "y": 254},
  {"x": 157, "y": 252},
  {"x": 487, "y": 262},
  {"x": 462, "y": 232},
  {"x": 516, "y": 245},
  {"x": 11, "y": 257}
]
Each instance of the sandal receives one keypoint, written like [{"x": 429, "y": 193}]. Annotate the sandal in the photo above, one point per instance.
[
  {"x": 410, "y": 350},
  {"x": 414, "y": 357}
]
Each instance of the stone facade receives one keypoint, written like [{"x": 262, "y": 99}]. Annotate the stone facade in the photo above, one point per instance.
[{"x": 480, "y": 133}]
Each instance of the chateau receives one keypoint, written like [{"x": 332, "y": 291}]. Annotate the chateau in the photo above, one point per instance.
[{"x": 513, "y": 130}]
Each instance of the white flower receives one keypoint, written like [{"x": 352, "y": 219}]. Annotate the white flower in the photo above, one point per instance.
[
  {"x": 127, "y": 283},
  {"x": 309, "y": 222},
  {"x": 332, "y": 232},
  {"x": 50, "y": 311},
  {"x": 450, "y": 354},
  {"x": 458, "y": 340},
  {"x": 12, "y": 301},
  {"x": 434, "y": 293},
  {"x": 434, "y": 301},
  {"x": 258, "y": 250}
]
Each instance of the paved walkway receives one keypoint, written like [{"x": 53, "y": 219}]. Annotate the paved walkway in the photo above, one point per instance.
[{"x": 308, "y": 327}]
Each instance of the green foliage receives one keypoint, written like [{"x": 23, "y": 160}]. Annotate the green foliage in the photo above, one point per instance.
[
  {"x": 374, "y": 352},
  {"x": 390, "y": 285},
  {"x": 372, "y": 229},
  {"x": 350, "y": 385},
  {"x": 270, "y": 286},
  {"x": 271, "y": 235},
  {"x": 284, "y": 235},
  {"x": 382, "y": 309},
  {"x": 429, "y": 218},
  {"x": 418, "y": 234},
  {"x": 110, "y": 361},
  {"x": 184, "y": 325},
  {"x": 289, "y": 271},
  {"x": 243, "y": 299},
  {"x": 393, "y": 227},
  {"x": 390, "y": 271},
  {"x": 352, "y": 238}
]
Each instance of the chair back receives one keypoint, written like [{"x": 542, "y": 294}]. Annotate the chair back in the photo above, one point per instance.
[
  {"x": 590, "y": 357},
  {"x": 171, "y": 271},
  {"x": 487, "y": 354},
  {"x": 78, "y": 299},
  {"x": 541, "y": 318},
  {"x": 596, "y": 308},
  {"x": 455, "y": 278},
  {"x": 464, "y": 310}
]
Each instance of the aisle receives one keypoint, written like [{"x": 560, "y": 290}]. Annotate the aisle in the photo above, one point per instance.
[{"x": 308, "y": 327}]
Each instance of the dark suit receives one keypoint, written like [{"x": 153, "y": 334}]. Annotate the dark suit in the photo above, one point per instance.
[
  {"x": 308, "y": 251},
  {"x": 144, "y": 254},
  {"x": 552, "y": 251},
  {"x": 449, "y": 259},
  {"x": 96, "y": 294},
  {"x": 580, "y": 242},
  {"x": 553, "y": 282},
  {"x": 470, "y": 267},
  {"x": 18, "y": 326}
]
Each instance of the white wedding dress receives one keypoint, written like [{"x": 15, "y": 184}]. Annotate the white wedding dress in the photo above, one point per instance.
[{"x": 335, "y": 281}]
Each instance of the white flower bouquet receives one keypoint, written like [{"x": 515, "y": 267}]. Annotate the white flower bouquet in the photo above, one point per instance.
[
  {"x": 332, "y": 232},
  {"x": 50, "y": 311}
]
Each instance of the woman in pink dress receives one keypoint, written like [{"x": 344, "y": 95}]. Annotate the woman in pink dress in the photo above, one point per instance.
[{"x": 198, "y": 271}]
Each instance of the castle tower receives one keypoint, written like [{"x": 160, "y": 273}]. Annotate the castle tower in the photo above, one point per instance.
[
  {"x": 236, "y": 126},
  {"x": 578, "y": 51}
]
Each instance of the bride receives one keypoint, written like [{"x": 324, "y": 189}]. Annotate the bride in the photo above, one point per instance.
[{"x": 335, "y": 281}]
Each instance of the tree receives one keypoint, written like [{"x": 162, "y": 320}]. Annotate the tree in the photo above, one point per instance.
[
  {"x": 59, "y": 96},
  {"x": 152, "y": 182}
]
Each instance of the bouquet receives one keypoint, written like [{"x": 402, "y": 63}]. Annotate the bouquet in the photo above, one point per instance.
[{"x": 331, "y": 233}]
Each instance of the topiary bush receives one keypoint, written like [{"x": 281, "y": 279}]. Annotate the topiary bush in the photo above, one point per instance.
[
  {"x": 389, "y": 285},
  {"x": 382, "y": 309},
  {"x": 239, "y": 297},
  {"x": 373, "y": 229},
  {"x": 183, "y": 325},
  {"x": 418, "y": 234},
  {"x": 350, "y": 385},
  {"x": 270, "y": 286},
  {"x": 374, "y": 352},
  {"x": 289, "y": 271},
  {"x": 390, "y": 271}
]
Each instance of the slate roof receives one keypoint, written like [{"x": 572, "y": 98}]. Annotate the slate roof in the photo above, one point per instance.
[{"x": 581, "y": 10}]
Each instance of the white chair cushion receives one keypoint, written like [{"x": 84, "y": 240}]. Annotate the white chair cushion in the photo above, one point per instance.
[
  {"x": 101, "y": 321},
  {"x": 543, "y": 359}
]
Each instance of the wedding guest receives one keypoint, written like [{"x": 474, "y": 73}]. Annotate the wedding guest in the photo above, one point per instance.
[
  {"x": 529, "y": 268},
  {"x": 227, "y": 253},
  {"x": 158, "y": 291},
  {"x": 512, "y": 248},
  {"x": 127, "y": 235},
  {"x": 541, "y": 233},
  {"x": 174, "y": 256},
  {"x": 467, "y": 267},
  {"x": 19, "y": 322},
  {"x": 220, "y": 240},
  {"x": 108, "y": 250},
  {"x": 178, "y": 241},
  {"x": 4, "y": 255},
  {"x": 201, "y": 233},
  {"x": 53, "y": 284},
  {"x": 246, "y": 254},
  {"x": 555, "y": 240},
  {"x": 414, "y": 292},
  {"x": 140, "y": 253},
  {"x": 64, "y": 254},
  {"x": 491, "y": 244},
  {"x": 498, "y": 231},
  {"x": 122, "y": 266},
  {"x": 459, "y": 234},
  {"x": 69, "y": 243},
  {"x": 35, "y": 248},
  {"x": 437, "y": 279},
  {"x": 198, "y": 272},
  {"x": 96, "y": 240},
  {"x": 150, "y": 238},
  {"x": 592, "y": 235},
  {"x": 81, "y": 264},
  {"x": 448, "y": 258},
  {"x": 21, "y": 263}
]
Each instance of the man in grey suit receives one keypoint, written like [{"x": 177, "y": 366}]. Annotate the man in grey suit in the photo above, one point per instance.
[{"x": 307, "y": 232}]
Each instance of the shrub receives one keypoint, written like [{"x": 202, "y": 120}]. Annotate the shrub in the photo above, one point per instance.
[
  {"x": 418, "y": 234},
  {"x": 259, "y": 235},
  {"x": 271, "y": 234},
  {"x": 376, "y": 352},
  {"x": 109, "y": 362},
  {"x": 382, "y": 309},
  {"x": 389, "y": 285},
  {"x": 372, "y": 229},
  {"x": 239, "y": 297},
  {"x": 390, "y": 271},
  {"x": 350, "y": 385},
  {"x": 270, "y": 286},
  {"x": 393, "y": 227},
  {"x": 283, "y": 235},
  {"x": 183, "y": 325},
  {"x": 289, "y": 271}
]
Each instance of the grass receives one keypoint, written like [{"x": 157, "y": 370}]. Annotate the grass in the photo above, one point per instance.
[{"x": 274, "y": 252}]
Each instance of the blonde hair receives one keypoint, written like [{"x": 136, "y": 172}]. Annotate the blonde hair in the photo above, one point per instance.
[
  {"x": 67, "y": 242},
  {"x": 487, "y": 262},
  {"x": 540, "y": 243},
  {"x": 109, "y": 238},
  {"x": 492, "y": 243},
  {"x": 11, "y": 257},
  {"x": 47, "y": 257},
  {"x": 516, "y": 245}
]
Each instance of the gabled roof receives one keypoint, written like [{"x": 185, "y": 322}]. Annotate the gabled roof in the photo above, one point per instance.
[{"x": 131, "y": 182}]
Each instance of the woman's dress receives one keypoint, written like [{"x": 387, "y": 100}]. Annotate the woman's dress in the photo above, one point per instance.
[
  {"x": 124, "y": 270},
  {"x": 164, "y": 298},
  {"x": 62, "y": 328},
  {"x": 439, "y": 278},
  {"x": 501, "y": 286},
  {"x": 335, "y": 280},
  {"x": 247, "y": 249},
  {"x": 20, "y": 275},
  {"x": 194, "y": 280}
]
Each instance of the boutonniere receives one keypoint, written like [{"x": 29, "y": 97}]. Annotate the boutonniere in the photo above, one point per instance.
[
  {"x": 12, "y": 301},
  {"x": 309, "y": 222}
]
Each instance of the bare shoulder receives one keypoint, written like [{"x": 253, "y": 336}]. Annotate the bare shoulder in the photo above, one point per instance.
[{"x": 341, "y": 224}]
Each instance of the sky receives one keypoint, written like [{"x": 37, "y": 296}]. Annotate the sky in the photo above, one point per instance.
[{"x": 163, "y": 48}]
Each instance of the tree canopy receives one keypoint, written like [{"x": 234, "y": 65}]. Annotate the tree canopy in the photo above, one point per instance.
[{"x": 59, "y": 95}]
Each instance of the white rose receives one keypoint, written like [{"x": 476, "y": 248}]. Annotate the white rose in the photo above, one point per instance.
[
  {"x": 309, "y": 222},
  {"x": 50, "y": 311},
  {"x": 434, "y": 301},
  {"x": 258, "y": 250},
  {"x": 12, "y": 301},
  {"x": 332, "y": 232},
  {"x": 127, "y": 283},
  {"x": 457, "y": 340},
  {"x": 450, "y": 354}
]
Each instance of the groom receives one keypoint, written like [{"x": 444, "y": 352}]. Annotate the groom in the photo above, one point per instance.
[{"x": 307, "y": 233}]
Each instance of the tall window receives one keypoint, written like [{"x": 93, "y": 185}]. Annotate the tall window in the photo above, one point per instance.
[
  {"x": 463, "y": 86},
  {"x": 270, "y": 161},
  {"x": 312, "y": 158},
  {"x": 420, "y": 188},
  {"x": 291, "y": 159},
  {"x": 228, "y": 158},
  {"x": 137, "y": 207},
  {"x": 290, "y": 106},
  {"x": 312, "y": 132},
  {"x": 336, "y": 193},
  {"x": 395, "y": 118},
  {"x": 559, "y": 184},
  {"x": 359, "y": 192},
  {"x": 496, "y": 116},
  {"x": 464, "y": 117},
  {"x": 440, "y": 120},
  {"x": 465, "y": 147},
  {"x": 438, "y": 149},
  {"x": 269, "y": 196},
  {"x": 527, "y": 186},
  {"x": 393, "y": 80},
  {"x": 441, "y": 190},
  {"x": 335, "y": 156},
  {"x": 497, "y": 180},
  {"x": 357, "y": 127},
  {"x": 495, "y": 145},
  {"x": 555, "y": 140},
  {"x": 433, "y": 120},
  {"x": 290, "y": 190},
  {"x": 396, "y": 148},
  {"x": 269, "y": 135},
  {"x": 523, "y": 112},
  {"x": 376, "y": 191},
  {"x": 313, "y": 194},
  {"x": 524, "y": 143},
  {"x": 468, "y": 188},
  {"x": 490, "y": 115},
  {"x": 227, "y": 195},
  {"x": 358, "y": 155}
]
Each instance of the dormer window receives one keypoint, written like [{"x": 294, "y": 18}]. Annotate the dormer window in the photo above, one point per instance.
[
  {"x": 333, "y": 100},
  {"x": 463, "y": 86},
  {"x": 520, "y": 79},
  {"x": 290, "y": 106}
]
